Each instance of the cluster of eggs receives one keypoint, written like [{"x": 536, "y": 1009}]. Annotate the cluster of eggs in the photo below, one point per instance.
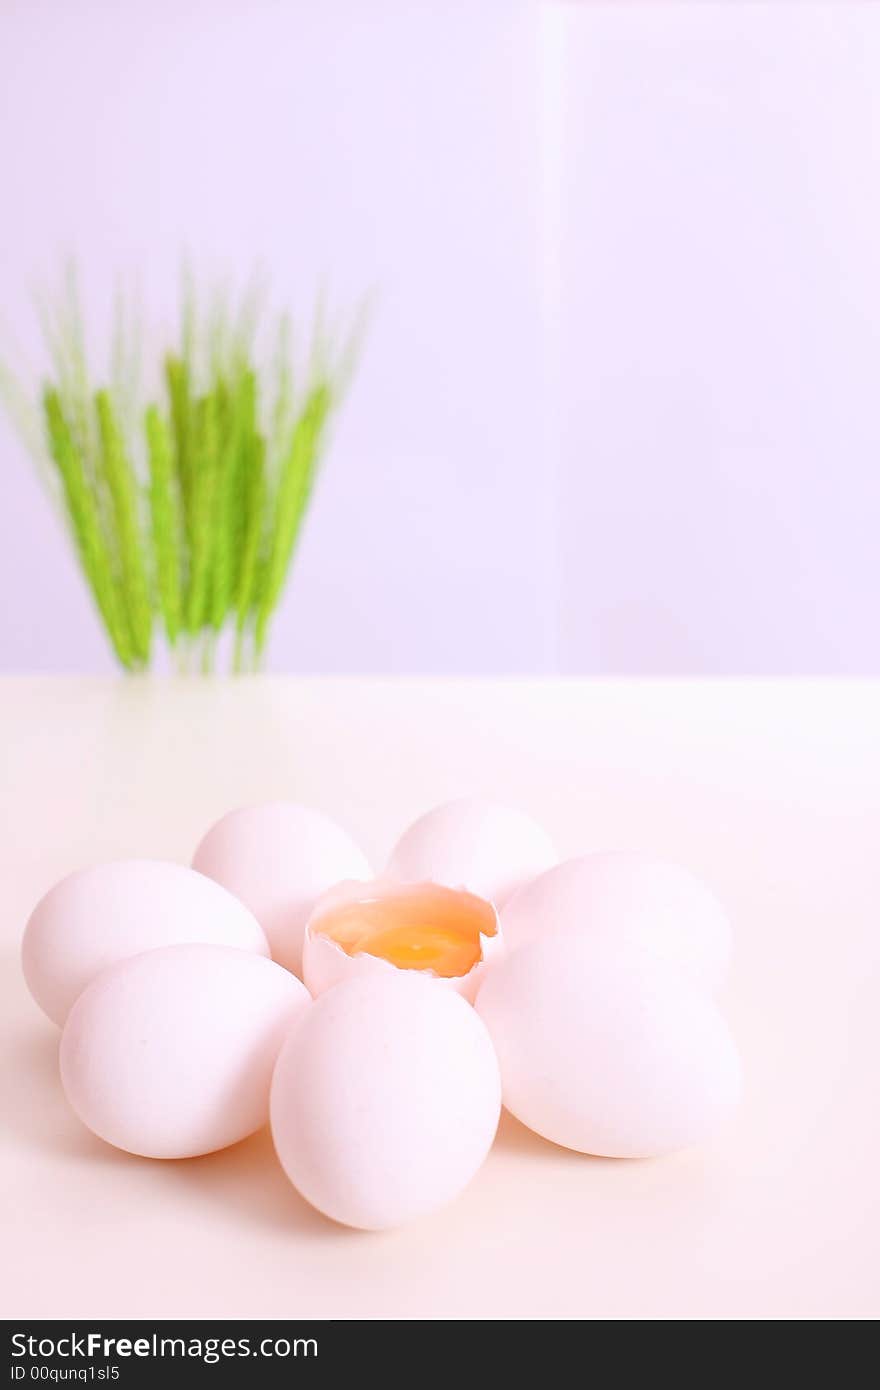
[{"x": 379, "y": 1023}]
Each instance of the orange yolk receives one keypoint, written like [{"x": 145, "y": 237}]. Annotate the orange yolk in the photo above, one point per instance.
[{"x": 422, "y": 928}]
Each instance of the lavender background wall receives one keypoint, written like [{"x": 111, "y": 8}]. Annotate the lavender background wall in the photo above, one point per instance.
[
  {"x": 719, "y": 337},
  {"x": 619, "y": 408}
]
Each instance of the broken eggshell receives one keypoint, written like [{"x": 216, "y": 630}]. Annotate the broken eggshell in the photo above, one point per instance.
[{"x": 363, "y": 930}]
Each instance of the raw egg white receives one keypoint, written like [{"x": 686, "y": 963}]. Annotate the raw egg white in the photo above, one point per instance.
[
  {"x": 278, "y": 858},
  {"x": 630, "y": 898},
  {"x": 489, "y": 849},
  {"x": 385, "y": 1100},
  {"x": 170, "y": 1054},
  {"x": 362, "y": 929},
  {"x": 606, "y": 1051},
  {"x": 100, "y": 915}
]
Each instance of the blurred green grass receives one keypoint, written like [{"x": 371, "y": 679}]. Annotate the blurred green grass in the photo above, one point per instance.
[{"x": 185, "y": 510}]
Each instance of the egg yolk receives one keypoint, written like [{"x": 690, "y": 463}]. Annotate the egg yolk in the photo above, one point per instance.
[{"x": 422, "y": 928}]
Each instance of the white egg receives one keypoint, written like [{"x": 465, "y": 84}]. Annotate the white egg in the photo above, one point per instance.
[
  {"x": 170, "y": 1054},
  {"x": 608, "y": 1052},
  {"x": 489, "y": 849},
  {"x": 385, "y": 1100},
  {"x": 100, "y": 915},
  {"x": 361, "y": 929},
  {"x": 629, "y": 898},
  {"x": 278, "y": 858}
]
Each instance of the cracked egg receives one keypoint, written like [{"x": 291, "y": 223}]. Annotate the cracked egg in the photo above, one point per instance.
[{"x": 378, "y": 928}]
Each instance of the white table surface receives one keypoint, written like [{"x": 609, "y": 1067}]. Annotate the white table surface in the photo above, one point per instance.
[{"x": 771, "y": 790}]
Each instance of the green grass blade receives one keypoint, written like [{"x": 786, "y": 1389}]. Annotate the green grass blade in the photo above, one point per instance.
[
  {"x": 85, "y": 525},
  {"x": 294, "y": 490},
  {"x": 178, "y": 383},
  {"x": 237, "y": 427},
  {"x": 282, "y": 383},
  {"x": 167, "y": 530},
  {"x": 201, "y": 514},
  {"x": 122, "y": 486},
  {"x": 252, "y": 538}
]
